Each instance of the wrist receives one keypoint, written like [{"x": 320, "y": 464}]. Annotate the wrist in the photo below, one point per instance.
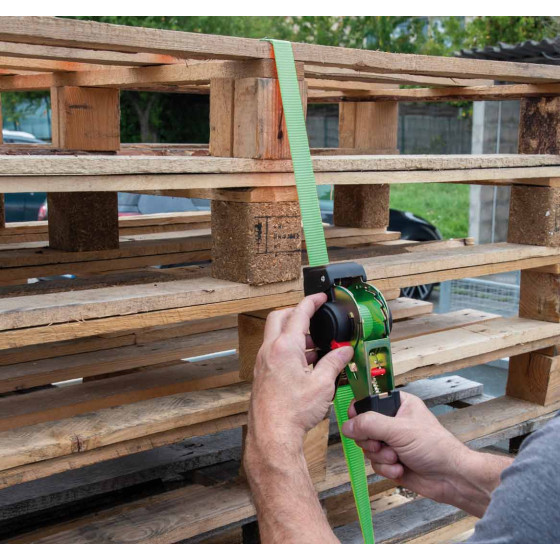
[
  {"x": 476, "y": 476},
  {"x": 273, "y": 450}
]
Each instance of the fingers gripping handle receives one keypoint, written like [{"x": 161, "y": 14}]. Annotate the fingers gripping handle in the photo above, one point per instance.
[{"x": 388, "y": 405}]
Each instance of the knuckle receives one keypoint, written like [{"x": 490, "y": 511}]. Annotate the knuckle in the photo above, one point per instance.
[
  {"x": 281, "y": 345},
  {"x": 276, "y": 315}
]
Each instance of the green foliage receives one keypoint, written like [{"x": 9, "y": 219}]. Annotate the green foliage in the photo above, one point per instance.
[
  {"x": 490, "y": 30},
  {"x": 444, "y": 205},
  {"x": 16, "y": 105}
]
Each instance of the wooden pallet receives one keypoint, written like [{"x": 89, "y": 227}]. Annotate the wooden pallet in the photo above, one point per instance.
[{"x": 112, "y": 344}]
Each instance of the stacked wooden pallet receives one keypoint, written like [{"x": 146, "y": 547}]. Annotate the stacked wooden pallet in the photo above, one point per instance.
[{"x": 126, "y": 329}]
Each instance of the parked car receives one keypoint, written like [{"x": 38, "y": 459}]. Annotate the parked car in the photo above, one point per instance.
[
  {"x": 22, "y": 207},
  {"x": 19, "y": 137},
  {"x": 131, "y": 204}
]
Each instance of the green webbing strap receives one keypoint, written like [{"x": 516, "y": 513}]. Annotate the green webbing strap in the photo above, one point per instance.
[
  {"x": 317, "y": 254},
  {"x": 356, "y": 465},
  {"x": 301, "y": 156}
]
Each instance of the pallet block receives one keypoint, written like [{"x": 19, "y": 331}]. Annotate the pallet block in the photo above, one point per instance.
[
  {"x": 365, "y": 128},
  {"x": 84, "y": 119}
]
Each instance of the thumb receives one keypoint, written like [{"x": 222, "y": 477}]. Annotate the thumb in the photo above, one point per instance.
[
  {"x": 333, "y": 363},
  {"x": 370, "y": 425}
]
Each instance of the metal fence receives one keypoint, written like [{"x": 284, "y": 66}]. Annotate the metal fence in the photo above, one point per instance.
[{"x": 492, "y": 294}]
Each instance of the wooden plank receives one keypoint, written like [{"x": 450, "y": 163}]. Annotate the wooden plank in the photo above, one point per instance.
[
  {"x": 457, "y": 532},
  {"x": 403, "y": 522},
  {"x": 145, "y": 242},
  {"x": 188, "y": 73},
  {"x": 444, "y": 390},
  {"x": 185, "y": 456},
  {"x": 122, "y": 423},
  {"x": 25, "y": 375},
  {"x": 106, "y": 341},
  {"x": 362, "y": 93},
  {"x": 199, "y": 299},
  {"x": 120, "y": 473},
  {"x": 31, "y": 262},
  {"x": 64, "y": 402},
  {"x": 22, "y": 232},
  {"x": 472, "y": 340},
  {"x": 40, "y": 65},
  {"x": 178, "y": 247},
  {"x": 95, "y": 165},
  {"x": 182, "y": 185},
  {"x": 85, "y": 34},
  {"x": 207, "y": 511},
  {"x": 48, "y": 440},
  {"x": 48, "y": 467},
  {"x": 176, "y": 184},
  {"x": 472, "y": 422},
  {"x": 342, "y": 76},
  {"x": 113, "y": 58}
]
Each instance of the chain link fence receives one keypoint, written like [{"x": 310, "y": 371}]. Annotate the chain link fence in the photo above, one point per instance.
[{"x": 493, "y": 294}]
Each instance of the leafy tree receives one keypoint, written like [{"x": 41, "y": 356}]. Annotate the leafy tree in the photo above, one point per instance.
[
  {"x": 16, "y": 105},
  {"x": 491, "y": 30}
]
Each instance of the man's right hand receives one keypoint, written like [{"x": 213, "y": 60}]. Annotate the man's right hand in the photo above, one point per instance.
[{"x": 413, "y": 448}]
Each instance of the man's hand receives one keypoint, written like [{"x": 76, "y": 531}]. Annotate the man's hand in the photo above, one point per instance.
[
  {"x": 289, "y": 397},
  {"x": 416, "y": 451}
]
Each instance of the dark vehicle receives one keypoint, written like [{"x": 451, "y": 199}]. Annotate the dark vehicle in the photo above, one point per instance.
[
  {"x": 416, "y": 229},
  {"x": 22, "y": 207},
  {"x": 411, "y": 227}
]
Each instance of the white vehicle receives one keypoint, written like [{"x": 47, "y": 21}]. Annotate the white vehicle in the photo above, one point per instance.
[{"x": 19, "y": 137}]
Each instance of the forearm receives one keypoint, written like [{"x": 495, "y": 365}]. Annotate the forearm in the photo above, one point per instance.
[
  {"x": 477, "y": 476},
  {"x": 288, "y": 508}
]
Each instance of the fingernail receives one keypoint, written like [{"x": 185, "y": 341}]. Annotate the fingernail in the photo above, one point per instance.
[{"x": 348, "y": 428}]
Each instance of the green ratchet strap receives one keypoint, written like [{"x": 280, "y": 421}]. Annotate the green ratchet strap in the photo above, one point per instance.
[{"x": 317, "y": 254}]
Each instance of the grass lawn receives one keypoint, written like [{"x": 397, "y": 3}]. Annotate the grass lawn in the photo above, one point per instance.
[{"x": 444, "y": 205}]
